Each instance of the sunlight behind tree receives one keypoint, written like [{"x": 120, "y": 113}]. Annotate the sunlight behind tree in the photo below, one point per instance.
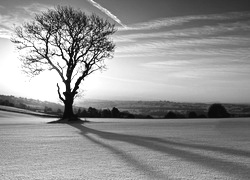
[{"x": 67, "y": 41}]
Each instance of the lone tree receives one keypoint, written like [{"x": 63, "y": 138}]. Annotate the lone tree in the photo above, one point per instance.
[
  {"x": 217, "y": 111},
  {"x": 68, "y": 41}
]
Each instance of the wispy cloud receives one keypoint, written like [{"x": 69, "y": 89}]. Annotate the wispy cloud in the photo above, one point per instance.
[
  {"x": 193, "y": 32},
  {"x": 107, "y": 12},
  {"x": 167, "y": 63},
  {"x": 228, "y": 46},
  {"x": 134, "y": 81},
  {"x": 34, "y": 8},
  {"x": 216, "y": 35},
  {"x": 4, "y": 33},
  {"x": 6, "y": 25},
  {"x": 206, "y": 68},
  {"x": 17, "y": 16},
  {"x": 198, "y": 45},
  {"x": 167, "y": 22}
]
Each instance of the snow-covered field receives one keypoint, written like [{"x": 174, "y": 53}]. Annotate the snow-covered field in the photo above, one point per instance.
[{"x": 124, "y": 149}]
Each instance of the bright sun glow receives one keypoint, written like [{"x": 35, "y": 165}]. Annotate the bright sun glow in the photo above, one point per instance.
[{"x": 191, "y": 52}]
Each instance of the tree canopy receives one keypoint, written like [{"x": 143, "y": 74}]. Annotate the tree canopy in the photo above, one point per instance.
[
  {"x": 217, "y": 111},
  {"x": 68, "y": 41}
]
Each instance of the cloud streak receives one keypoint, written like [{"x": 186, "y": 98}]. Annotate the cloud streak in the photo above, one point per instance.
[
  {"x": 17, "y": 16},
  {"x": 107, "y": 12},
  {"x": 220, "y": 35},
  {"x": 207, "y": 30},
  {"x": 226, "y": 46},
  {"x": 34, "y": 8},
  {"x": 168, "y": 22},
  {"x": 6, "y": 25}
]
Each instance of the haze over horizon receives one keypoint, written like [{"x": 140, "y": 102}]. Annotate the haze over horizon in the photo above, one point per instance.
[{"x": 176, "y": 50}]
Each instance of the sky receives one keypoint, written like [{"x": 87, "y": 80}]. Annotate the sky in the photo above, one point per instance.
[{"x": 175, "y": 50}]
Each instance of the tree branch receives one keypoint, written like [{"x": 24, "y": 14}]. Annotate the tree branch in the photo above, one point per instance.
[
  {"x": 59, "y": 94},
  {"x": 84, "y": 74},
  {"x": 67, "y": 40}
]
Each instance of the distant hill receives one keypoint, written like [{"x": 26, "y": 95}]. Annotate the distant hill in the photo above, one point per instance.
[
  {"x": 24, "y": 111},
  {"x": 161, "y": 108},
  {"x": 152, "y": 108},
  {"x": 31, "y": 104}
]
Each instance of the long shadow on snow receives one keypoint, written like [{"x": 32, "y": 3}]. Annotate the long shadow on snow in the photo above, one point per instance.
[
  {"x": 171, "y": 148},
  {"x": 123, "y": 155}
]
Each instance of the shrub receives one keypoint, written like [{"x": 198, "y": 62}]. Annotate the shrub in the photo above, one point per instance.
[
  {"x": 115, "y": 113},
  {"x": 217, "y": 111},
  {"x": 170, "y": 115},
  {"x": 106, "y": 113},
  {"x": 192, "y": 114}
]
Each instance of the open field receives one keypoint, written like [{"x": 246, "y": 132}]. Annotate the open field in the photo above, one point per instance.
[{"x": 124, "y": 149}]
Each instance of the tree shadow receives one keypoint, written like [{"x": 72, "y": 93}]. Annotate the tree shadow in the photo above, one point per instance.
[
  {"x": 148, "y": 171},
  {"x": 172, "y": 148}
]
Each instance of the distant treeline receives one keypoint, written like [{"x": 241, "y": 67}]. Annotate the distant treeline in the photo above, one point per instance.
[
  {"x": 81, "y": 112},
  {"x": 11, "y": 104},
  {"x": 107, "y": 113},
  {"x": 213, "y": 111}
]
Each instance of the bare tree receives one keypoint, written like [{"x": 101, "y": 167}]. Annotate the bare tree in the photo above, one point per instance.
[{"x": 68, "y": 41}]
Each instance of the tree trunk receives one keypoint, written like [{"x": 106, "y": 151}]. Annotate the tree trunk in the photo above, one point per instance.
[{"x": 68, "y": 107}]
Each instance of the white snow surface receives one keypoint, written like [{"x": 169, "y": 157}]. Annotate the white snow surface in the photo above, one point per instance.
[{"x": 124, "y": 149}]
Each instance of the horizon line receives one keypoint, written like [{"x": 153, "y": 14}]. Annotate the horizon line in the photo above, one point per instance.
[{"x": 129, "y": 100}]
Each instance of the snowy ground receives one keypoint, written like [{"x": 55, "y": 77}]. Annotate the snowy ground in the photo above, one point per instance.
[{"x": 124, "y": 149}]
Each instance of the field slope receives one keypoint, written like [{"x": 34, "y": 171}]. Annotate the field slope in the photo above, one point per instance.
[{"x": 124, "y": 149}]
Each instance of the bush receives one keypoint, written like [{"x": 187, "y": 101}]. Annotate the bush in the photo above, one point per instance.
[
  {"x": 217, "y": 111},
  {"x": 171, "y": 115},
  {"x": 126, "y": 114},
  {"x": 115, "y": 113},
  {"x": 93, "y": 112},
  {"x": 59, "y": 111},
  {"x": 192, "y": 114},
  {"x": 106, "y": 113}
]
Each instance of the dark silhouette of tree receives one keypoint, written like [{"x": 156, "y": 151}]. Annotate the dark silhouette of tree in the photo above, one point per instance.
[
  {"x": 47, "y": 109},
  {"x": 6, "y": 103},
  {"x": 84, "y": 113},
  {"x": 79, "y": 112},
  {"x": 192, "y": 114},
  {"x": 106, "y": 113},
  {"x": 129, "y": 115},
  {"x": 171, "y": 115},
  {"x": 115, "y": 113},
  {"x": 126, "y": 114},
  {"x": 149, "y": 117},
  {"x": 93, "y": 112},
  {"x": 67, "y": 41},
  {"x": 59, "y": 111},
  {"x": 217, "y": 111},
  {"x": 22, "y": 106}
]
